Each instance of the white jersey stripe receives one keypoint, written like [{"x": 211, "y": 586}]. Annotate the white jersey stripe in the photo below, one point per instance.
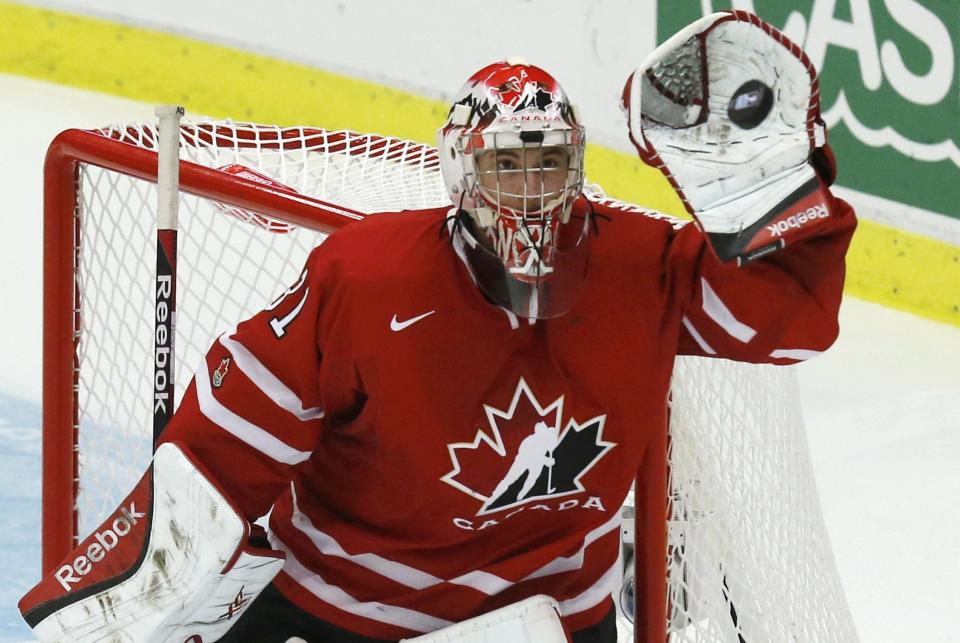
[
  {"x": 794, "y": 353},
  {"x": 716, "y": 310},
  {"x": 590, "y": 597},
  {"x": 484, "y": 582},
  {"x": 697, "y": 337},
  {"x": 574, "y": 562},
  {"x": 262, "y": 378},
  {"x": 328, "y": 546},
  {"x": 242, "y": 429},
  {"x": 487, "y": 583},
  {"x": 411, "y": 619},
  {"x": 375, "y": 611}
]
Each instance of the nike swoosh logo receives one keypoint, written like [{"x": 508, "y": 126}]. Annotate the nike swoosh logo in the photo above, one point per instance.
[{"x": 396, "y": 325}]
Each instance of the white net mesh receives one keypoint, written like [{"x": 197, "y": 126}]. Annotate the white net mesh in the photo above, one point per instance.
[
  {"x": 751, "y": 558},
  {"x": 226, "y": 273}
]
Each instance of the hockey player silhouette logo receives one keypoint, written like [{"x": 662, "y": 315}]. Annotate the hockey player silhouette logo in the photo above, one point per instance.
[
  {"x": 535, "y": 453},
  {"x": 527, "y": 454}
]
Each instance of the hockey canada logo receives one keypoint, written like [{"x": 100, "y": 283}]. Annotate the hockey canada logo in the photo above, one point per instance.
[
  {"x": 527, "y": 454},
  {"x": 220, "y": 373}
]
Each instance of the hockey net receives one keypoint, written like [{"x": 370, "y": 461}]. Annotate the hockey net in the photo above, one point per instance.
[{"x": 729, "y": 529}]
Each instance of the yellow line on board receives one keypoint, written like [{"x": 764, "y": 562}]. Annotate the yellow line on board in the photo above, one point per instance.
[
  {"x": 886, "y": 265},
  {"x": 906, "y": 271}
]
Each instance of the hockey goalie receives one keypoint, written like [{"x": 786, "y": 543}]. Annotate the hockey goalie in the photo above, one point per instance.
[{"x": 444, "y": 414}]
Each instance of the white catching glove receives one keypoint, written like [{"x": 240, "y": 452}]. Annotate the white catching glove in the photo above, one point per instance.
[{"x": 729, "y": 110}]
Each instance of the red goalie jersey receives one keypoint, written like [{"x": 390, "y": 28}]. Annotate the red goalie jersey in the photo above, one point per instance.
[{"x": 429, "y": 456}]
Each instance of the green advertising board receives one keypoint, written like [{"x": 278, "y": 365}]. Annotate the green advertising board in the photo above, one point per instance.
[{"x": 889, "y": 87}]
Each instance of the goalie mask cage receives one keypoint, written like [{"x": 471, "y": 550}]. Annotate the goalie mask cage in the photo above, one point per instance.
[{"x": 730, "y": 541}]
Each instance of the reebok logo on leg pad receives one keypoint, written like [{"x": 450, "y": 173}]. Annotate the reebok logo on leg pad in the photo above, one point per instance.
[{"x": 105, "y": 541}]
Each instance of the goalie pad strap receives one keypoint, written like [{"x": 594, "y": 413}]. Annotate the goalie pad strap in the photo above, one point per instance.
[{"x": 172, "y": 562}]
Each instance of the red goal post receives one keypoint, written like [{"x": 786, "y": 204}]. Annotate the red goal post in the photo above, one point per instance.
[{"x": 731, "y": 542}]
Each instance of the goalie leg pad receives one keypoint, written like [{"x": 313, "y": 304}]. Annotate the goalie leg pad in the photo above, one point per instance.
[
  {"x": 171, "y": 564},
  {"x": 533, "y": 620}
]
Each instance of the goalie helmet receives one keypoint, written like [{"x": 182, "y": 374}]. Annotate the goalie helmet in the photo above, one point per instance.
[{"x": 512, "y": 159}]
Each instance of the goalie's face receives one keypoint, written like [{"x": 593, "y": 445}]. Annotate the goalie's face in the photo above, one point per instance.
[
  {"x": 528, "y": 253},
  {"x": 527, "y": 182},
  {"x": 524, "y": 194}
]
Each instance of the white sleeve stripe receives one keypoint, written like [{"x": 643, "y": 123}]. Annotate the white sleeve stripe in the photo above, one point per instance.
[
  {"x": 794, "y": 353},
  {"x": 375, "y": 611},
  {"x": 599, "y": 591},
  {"x": 235, "y": 425},
  {"x": 697, "y": 337},
  {"x": 718, "y": 312},
  {"x": 262, "y": 378},
  {"x": 574, "y": 562}
]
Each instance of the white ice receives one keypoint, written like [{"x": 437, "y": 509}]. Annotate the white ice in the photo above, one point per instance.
[{"x": 882, "y": 409}]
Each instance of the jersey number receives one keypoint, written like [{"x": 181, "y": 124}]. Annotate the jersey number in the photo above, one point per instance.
[{"x": 279, "y": 324}]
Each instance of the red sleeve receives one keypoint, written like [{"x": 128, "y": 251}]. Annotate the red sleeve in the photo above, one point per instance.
[
  {"x": 779, "y": 309},
  {"x": 252, "y": 413}
]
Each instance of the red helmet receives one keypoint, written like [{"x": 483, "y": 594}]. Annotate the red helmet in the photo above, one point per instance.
[{"x": 512, "y": 158}]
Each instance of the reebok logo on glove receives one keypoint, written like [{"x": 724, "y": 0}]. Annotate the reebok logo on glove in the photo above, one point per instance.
[
  {"x": 797, "y": 221},
  {"x": 104, "y": 541}
]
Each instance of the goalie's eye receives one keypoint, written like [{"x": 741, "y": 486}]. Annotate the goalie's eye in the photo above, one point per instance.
[
  {"x": 508, "y": 163},
  {"x": 554, "y": 160},
  {"x": 493, "y": 162}
]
